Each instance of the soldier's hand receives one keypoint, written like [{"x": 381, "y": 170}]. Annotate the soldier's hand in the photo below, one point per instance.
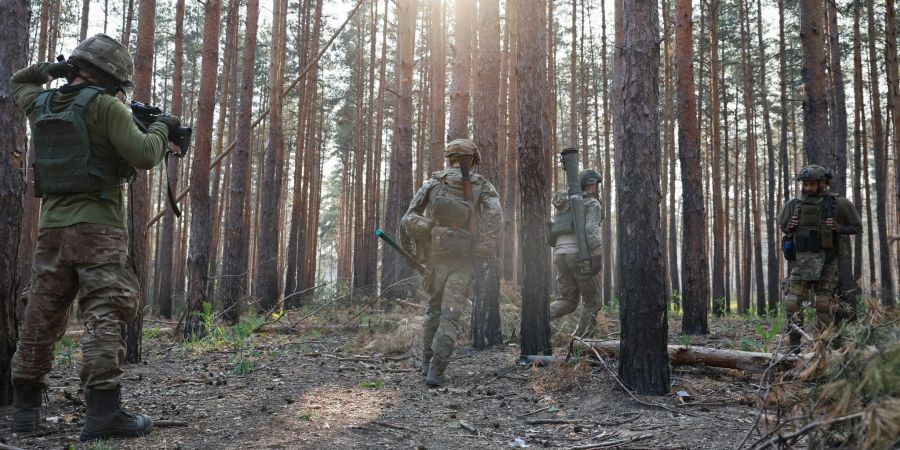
[
  {"x": 484, "y": 251},
  {"x": 831, "y": 224},
  {"x": 171, "y": 122},
  {"x": 60, "y": 69},
  {"x": 792, "y": 225}
]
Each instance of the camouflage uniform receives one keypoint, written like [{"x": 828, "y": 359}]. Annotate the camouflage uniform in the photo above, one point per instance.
[
  {"x": 574, "y": 285},
  {"x": 82, "y": 253},
  {"x": 434, "y": 229},
  {"x": 814, "y": 271}
]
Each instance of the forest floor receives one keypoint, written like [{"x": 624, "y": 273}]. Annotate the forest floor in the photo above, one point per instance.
[{"x": 351, "y": 380}]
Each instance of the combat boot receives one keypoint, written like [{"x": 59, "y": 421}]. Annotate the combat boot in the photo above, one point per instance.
[
  {"x": 106, "y": 418},
  {"x": 26, "y": 407},
  {"x": 435, "y": 376}
]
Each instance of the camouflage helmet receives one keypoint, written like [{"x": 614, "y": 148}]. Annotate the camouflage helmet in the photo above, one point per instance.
[
  {"x": 588, "y": 176},
  {"x": 813, "y": 172},
  {"x": 462, "y": 147},
  {"x": 107, "y": 55}
]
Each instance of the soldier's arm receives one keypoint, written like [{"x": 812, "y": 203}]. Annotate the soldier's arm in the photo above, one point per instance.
[
  {"x": 416, "y": 206},
  {"x": 848, "y": 221},
  {"x": 27, "y": 84},
  {"x": 140, "y": 150},
  {"x": 490, "y": 214},
  {"x": 785, "y": 216},
  {"x": 593, "y": 217}
]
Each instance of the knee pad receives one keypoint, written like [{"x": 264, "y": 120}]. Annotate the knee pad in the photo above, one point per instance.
[
  {"x": 824, "y": 303},
  {"x": 791, "y": 303}
]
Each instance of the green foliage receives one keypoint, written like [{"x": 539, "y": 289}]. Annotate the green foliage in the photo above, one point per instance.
[
  {"x": 685, "y": 340},
  {"x": 367, "y": 384},
  {"x": 306, "y": 415},
  {"x": 65, "y": 351},
  {"x": 752, "y": 345},
  {"x": 151, "y": 333},
  {"x": 767, "y": 335},
  {"x": 102, "y": 445},
  {"x": 236, "y": 338}
]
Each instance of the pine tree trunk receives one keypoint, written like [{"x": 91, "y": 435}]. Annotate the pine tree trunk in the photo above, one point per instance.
[
  {"x": 531, "y": 89},
  {"x": 885, "y": 242},
  {"x": 464, "y": 30},
  {"x": 85, "y": 14},
  {"x": 198, "y": 253},
  {"x": 139, "y": 189},
  {"x": 817, "y": 135},
  {"x": 644, "y": 365},
  {"x": 858, "y": 145},
  {"x": 695, "y": 276},
  {"x": 670, "y": 250},
  {"x": 438, "y": 86},
  {"x": 771, "y": 238},
  {"x": 13, "y": 56},
  {"x": 166, "y": 242},
  {"x": 607, "y": 175},
  {"x": 719, "y": 280},
  {"x": 885, "y": 278},
  {"x": 266, "y": 284},
  {"x": 486, "y": 127},
  {"x": 395, "y": 271},
  {"x": 511, "y": 212}
]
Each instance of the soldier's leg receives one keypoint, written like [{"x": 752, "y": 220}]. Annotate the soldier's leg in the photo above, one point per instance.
[
  {"x": 435, "y": 291},
  {"x": 797, "y": 291},
  {"x": 567, "y": 285},
  {"x": 108, "y": 299},
  {"x": 53, "y": 287},
  {"x": 824, "y": 291},
  {"x": 589, "y": 287},
  {"x": 457, "y": 290}
]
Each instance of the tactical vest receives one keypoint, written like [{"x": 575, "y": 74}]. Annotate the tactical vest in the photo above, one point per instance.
[
  {"x": 812, "y": 235},
  {"x": 63, "y": 162},
  {"x": 450, "y": 211}
]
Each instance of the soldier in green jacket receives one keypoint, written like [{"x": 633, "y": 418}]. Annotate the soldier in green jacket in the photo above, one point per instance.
[
  {"x": 434, "y": 229},
  {"x": 813, "y": 225},
  {"x": 87, "y": 146},
  {"x": 573, "y": 284}
]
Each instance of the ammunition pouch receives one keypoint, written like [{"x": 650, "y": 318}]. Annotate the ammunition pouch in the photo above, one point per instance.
[{"x": 452, "y": 242}]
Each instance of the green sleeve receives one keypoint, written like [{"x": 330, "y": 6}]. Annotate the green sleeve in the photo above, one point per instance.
[
  {"x": 141, "y": 151},
  {"x": 27, "y": 84},
  {"x": 416, "y": 207},
  {"x": 593, "y": 216},
  {"x": 848, "y": 221},
  {"x": 490, "y": 214},
  {"x": 785, "y": 215}
]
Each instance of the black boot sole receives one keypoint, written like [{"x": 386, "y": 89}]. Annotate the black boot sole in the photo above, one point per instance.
[{"x": 114, "y": 435}]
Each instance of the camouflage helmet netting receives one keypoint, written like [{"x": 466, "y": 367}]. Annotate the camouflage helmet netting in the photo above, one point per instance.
[
  {"x": 107, "y": 55},
  {"x": 460, "y": 147}
]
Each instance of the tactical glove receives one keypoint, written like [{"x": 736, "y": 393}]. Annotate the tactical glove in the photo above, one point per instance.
[
  {"x": 171, "y": 122},
  {"x": 60, "y": 70}
]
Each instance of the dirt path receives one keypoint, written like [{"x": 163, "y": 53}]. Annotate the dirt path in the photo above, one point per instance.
[{"x": 309, "y": 392}]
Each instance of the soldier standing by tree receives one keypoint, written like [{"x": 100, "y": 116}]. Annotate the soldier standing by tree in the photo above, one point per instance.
[
  {"x": 87, "y": 147},
  {"x": 576, "y": 282},
  {"x": 437, "y": 229},
  {"x": 813, "y": 224}
]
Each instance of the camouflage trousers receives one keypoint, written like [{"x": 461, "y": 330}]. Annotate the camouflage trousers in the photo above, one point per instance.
[
  {"x": 449, "y": 287},
  {"x": 798, "y": 290},
  {"x": 89, "y": 262},
  {"x": 573, "y": 287}
]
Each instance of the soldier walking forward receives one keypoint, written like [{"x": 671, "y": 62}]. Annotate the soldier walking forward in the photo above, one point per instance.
[
  {"x": 434, "y": 229},
  {"x": 812, "y": 225},
  {"x": 87, "y": 147},
  {"x": 574, "y": 281}
]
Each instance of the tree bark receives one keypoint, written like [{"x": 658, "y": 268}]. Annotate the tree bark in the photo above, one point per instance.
[
  {"x": 695, "y": 276},
  {"x": 644, "y": 366},
  {"x": 719, "y": 281},
  {"x": 817, "y": 135},
  {"x": 858, "y": 145},
  {"x": 885, "y": 244},
  {"x": 85, "y": 14},
  {"x": 486, "y": 127},
  {"x": 139, "y": 189},
  {"x": 772, "y": 271},
  {"x": 13, "y": 55},
  {"x": 438, "y": 86},
  {"x": 463, "y": 32},
  {"x": 879, "y": 151},
  {"x": 395, "y": 271},
  {"x": 533, "y": 177},
  {"x": 198, "y": 253}
]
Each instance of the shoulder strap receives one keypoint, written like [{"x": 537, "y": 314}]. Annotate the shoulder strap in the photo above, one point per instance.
[
  {"x": 84, "y": 98},
  {"x": 42, "y": 103}
]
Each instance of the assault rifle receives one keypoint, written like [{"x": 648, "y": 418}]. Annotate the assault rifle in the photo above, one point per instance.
[{"x": 144, "y": 115}]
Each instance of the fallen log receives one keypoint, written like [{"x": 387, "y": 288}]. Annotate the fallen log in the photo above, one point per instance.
[{"x": 680, "y": 355}]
